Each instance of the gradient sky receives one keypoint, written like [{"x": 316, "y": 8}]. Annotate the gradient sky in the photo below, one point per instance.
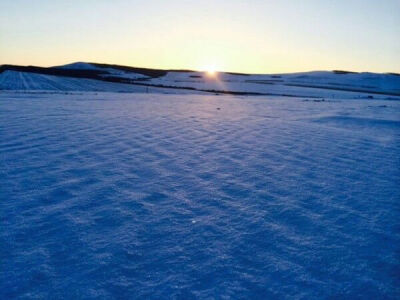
[{"x": 256, "y": 36}]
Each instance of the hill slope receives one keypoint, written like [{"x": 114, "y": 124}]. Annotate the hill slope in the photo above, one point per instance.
[{"x": 103, "y": 77}]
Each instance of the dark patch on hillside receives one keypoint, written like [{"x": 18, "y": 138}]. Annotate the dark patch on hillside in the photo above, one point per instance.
[
  {"x": 154, "y": 73},
  {"x": 180, "y": 71},
  {"x": 236, "y": 74},
  {"x": 78, "y": 73},
  {"x": 341, "y": 72},
  {"x": 143, "y": 71},
  {"x": 86, "y": 73},
  {"x": 316, "y": 86}
]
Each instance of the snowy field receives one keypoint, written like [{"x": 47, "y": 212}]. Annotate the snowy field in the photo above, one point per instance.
[
  {"x": 135, "y": 196},
  {"x": 28, "y": 82}
]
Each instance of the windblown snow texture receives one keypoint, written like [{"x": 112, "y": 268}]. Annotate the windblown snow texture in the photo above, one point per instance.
[{"x": 135, "y": 196}]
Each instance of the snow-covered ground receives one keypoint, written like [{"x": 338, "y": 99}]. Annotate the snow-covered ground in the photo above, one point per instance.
[
  {"x": 150, "y": 196},
  {"x": 24, "y": 81},
  {"x": 309, "y": 84}
]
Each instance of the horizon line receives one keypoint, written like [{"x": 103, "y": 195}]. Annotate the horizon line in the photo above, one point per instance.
[{"x": 200, "y": 71}]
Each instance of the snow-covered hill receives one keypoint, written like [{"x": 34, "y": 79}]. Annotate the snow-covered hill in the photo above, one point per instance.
[
  {"x": 101, "y": 77},
  {"x": 12, "y": 80},
  {"x": 78, "y": 66},
  {"x": 320, "y": 83},
  {"x": 109, "y": 70},
  {"x": 25, "y": 81}
]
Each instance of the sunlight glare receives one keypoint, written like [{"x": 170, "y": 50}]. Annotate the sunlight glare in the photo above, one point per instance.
[{"x": 210, "y": 71}]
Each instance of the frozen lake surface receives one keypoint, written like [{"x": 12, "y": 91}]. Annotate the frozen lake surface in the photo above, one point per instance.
[{"x": 135, "y": 196}]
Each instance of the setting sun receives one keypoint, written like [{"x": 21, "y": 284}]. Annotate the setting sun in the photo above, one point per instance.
[{"x": 210, "y": 71}]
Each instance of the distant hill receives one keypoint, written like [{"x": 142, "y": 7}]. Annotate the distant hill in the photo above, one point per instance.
[{"x": 109, "y": 77}]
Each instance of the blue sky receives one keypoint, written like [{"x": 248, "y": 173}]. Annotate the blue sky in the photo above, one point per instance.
[{"x": 244, "y": 36}]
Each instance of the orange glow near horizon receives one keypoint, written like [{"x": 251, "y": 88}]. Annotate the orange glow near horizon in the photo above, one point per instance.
[{"x": 211, "y": 72}]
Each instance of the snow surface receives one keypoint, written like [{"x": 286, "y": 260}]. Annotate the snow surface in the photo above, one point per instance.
[
  {"x": 198, "y": 197},
  {"x": 309, "y": 84},
  {"x": 79, "y": 66},
  {"x": 112, "y": 72},
  {"x": 13, "y": 80}
]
